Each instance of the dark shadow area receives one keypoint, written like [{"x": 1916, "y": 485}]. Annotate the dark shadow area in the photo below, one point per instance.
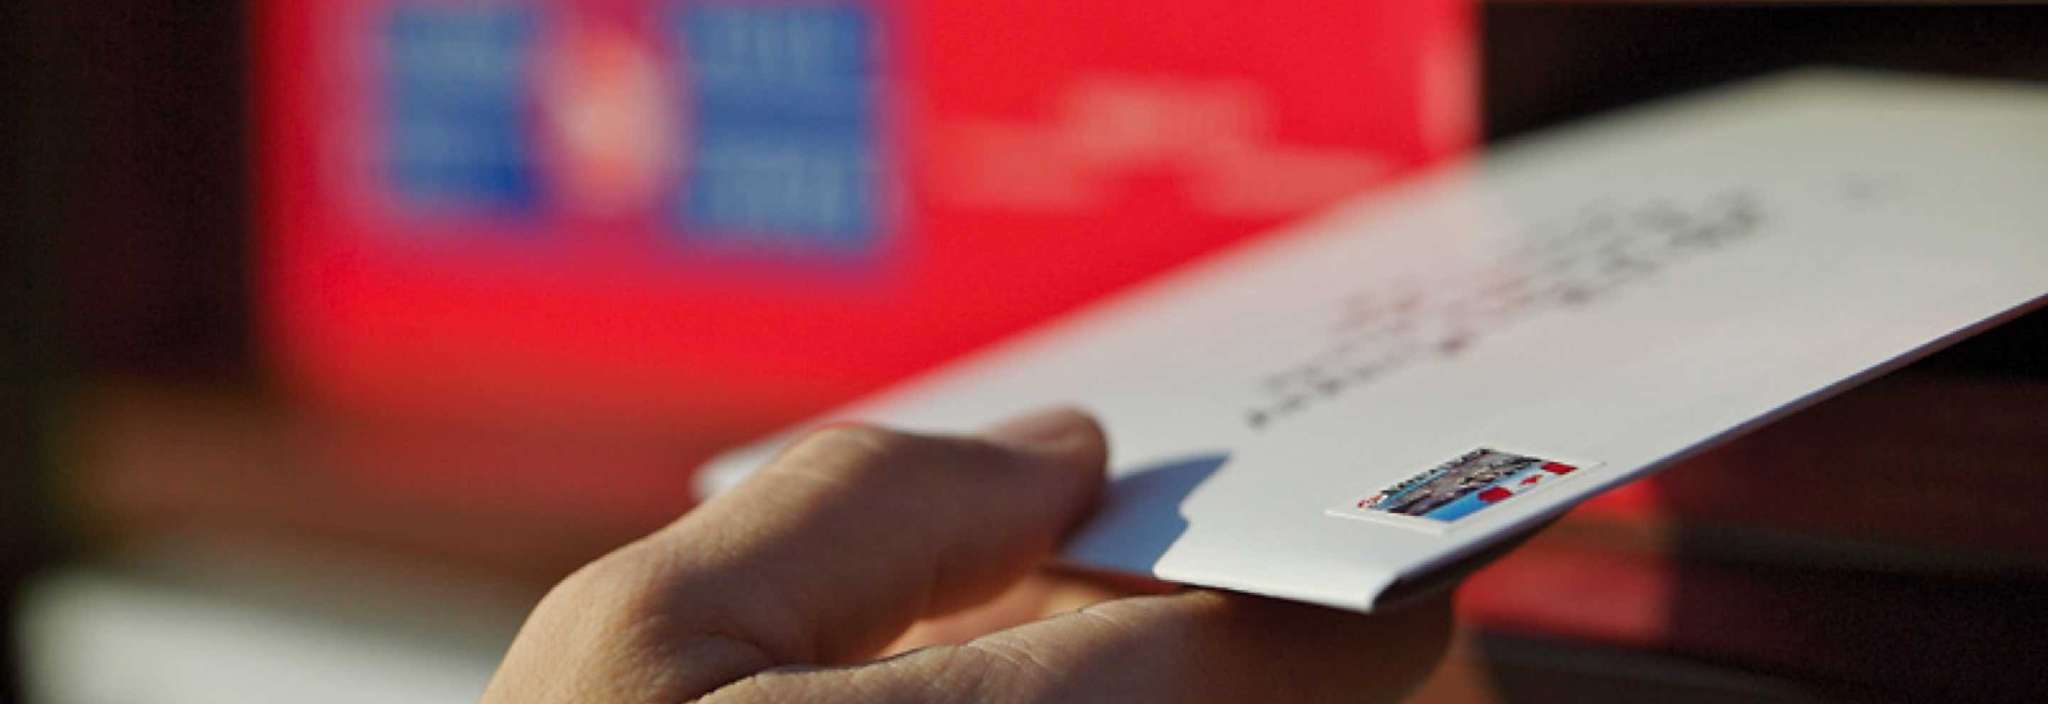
[
  {"x": 33, "y": 146},
  {"x": 1545, "y": 64},
  {"x": 122, "y": 129},
  {"x": 1533, "y": 667}
]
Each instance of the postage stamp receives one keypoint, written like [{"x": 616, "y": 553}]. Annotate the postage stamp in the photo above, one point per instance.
[{"x": 1461, "y": 487}]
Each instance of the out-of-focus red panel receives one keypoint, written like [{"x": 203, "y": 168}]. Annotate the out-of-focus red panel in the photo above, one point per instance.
[{"x": 729, "y": 214}]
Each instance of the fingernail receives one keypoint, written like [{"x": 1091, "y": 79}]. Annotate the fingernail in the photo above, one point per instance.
[{"x": 1041, "y": 430}]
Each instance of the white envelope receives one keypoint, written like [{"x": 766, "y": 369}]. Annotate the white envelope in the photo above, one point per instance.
[{"x": 1337, "y": 412}]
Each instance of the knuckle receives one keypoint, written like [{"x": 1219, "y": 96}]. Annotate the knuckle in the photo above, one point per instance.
[
  {"x": 850, "y": 444},
  {"x": 601, "y": 581},
  {"x": 861, "y": 452},
  {"x": 843, "y": 454},
  {"x": 612, "y": 595}
]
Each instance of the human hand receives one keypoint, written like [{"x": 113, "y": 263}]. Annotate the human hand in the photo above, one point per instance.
[{"x": 867, "y": 565}]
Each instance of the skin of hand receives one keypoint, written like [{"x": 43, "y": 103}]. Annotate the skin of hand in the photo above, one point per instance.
[{"x": 868, "y": 565}]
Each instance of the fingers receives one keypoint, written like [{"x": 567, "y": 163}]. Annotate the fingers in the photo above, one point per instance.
[
  {"x": 824, "y": 556},
  {"x": 1195, "y": 646}
]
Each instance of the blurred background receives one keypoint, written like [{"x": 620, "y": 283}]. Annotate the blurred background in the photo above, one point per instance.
[{"x": 340, "y": 330}]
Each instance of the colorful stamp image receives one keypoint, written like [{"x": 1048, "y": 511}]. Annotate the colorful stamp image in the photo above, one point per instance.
[{"x": 1466, "y": 485}]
